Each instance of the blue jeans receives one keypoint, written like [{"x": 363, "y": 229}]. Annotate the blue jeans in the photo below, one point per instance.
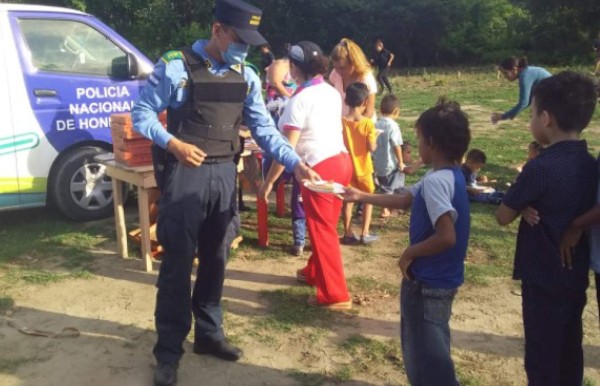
[
  {"x": 298, "y": 216},
  {"x": 425, "y": 334}
]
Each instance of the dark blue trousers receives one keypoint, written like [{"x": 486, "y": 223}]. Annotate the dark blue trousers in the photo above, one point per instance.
[
  {"x": 197, "y": 207},
  {"x": 553, "y": 335}
]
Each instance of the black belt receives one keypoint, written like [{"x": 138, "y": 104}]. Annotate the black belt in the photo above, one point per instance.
[
  {"x": 217, "y": 160},
  {"x": 208, "y": 160}
]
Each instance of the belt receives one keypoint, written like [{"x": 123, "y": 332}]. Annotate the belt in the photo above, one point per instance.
[
  {"x": 217, "y": 160},
  {"x": 208, "y": 160}
]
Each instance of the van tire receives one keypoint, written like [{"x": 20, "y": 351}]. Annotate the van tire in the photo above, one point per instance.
[{"x": 70, "y": 191}]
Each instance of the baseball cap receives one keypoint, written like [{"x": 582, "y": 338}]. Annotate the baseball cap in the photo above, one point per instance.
[
  {"x": 302, "y": 53},
  {"x": 244, "y": 18}
]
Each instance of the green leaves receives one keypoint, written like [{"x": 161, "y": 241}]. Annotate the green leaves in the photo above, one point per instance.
[{"x": 419, "y": 32}]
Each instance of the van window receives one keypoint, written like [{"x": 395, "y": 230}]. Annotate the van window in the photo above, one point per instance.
[{"x": 69, "y": 46}]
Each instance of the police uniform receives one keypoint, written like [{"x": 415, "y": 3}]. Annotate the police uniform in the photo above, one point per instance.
[{"x": 206, "y": 101}]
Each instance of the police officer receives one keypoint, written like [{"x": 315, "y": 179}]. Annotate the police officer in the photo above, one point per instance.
[{"x": 207, "y": 93}]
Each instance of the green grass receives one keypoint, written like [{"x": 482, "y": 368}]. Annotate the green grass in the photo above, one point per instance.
[
  {"x": 40, "y": 235},
  {"x": 308, "y": 379},
  {"x": 589, "y": 382},
  {"x": 280, "y": 236},
  {"x": 41, "y": 277},
  {"x": 369, "y": 285},
  {"x": 467, "y": 379},
  {"x": 368, "y": 353},
  {"x": 288, "y": 310},
  {"x": 338, "y": 375}
]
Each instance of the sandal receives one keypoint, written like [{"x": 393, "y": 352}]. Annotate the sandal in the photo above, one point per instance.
[{"x": 339, "y": 306}]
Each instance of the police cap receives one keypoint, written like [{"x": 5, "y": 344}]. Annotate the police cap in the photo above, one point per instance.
[{"x": 243, "y": 18}]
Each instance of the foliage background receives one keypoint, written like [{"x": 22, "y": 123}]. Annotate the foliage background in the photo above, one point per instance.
[{"x": 420, "y": 32}]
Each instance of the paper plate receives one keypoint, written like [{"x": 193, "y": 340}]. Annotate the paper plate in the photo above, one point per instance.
[
  {"x": 325, "y": 187},
  {"x": 485, "y": 189}
]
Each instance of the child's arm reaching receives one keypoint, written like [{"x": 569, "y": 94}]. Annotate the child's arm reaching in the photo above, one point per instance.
[
  {"x": 443, "y": 238},
  {"x": 395, "y": 201}
]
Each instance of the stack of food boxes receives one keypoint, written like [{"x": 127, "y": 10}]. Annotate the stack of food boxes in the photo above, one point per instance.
[{"x": 130, "y": 147}]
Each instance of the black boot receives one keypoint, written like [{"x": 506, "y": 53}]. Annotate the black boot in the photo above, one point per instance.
[
  {"x": 221, "y": 349},
  {"x": 165, "y": 374}
]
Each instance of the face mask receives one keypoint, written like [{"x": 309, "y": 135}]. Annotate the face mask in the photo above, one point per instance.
[{"x": 236, "y": 53}]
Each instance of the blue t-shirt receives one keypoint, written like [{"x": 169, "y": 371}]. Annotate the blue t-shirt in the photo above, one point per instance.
[
  {"x": 384, "y": 156},
  {"x": 440, "y": 192},
  {"x": 528, "y": 78},
  {"x": 560, "y": 184}
]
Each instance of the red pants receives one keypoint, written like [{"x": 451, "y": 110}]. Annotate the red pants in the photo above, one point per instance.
[{"x": 325, "y": 269}]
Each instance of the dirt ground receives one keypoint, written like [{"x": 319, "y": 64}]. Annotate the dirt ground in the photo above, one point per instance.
[{"x": 113, "y": 310}]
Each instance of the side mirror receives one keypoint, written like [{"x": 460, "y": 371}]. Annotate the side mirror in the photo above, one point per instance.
[{"x": 125, "y": 67}]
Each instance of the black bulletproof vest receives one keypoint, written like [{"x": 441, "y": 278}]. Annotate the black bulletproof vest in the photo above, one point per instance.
[{"x": 211, "y": 116}]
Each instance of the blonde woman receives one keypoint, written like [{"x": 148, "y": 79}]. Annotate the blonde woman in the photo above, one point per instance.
[{"x": 350, "y": 65}]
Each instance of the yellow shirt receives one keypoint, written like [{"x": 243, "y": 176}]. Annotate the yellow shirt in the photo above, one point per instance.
[{"x": 357, "y": 136}]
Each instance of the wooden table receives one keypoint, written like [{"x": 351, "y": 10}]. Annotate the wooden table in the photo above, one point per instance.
[{"x": 143, "y": 178}]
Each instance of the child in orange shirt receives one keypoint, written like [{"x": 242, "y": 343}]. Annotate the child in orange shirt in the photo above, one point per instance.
[{"x": 360, "y": 138}]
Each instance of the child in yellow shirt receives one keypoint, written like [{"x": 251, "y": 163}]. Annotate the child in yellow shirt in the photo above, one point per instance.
[{"x": 360, "y": 138}]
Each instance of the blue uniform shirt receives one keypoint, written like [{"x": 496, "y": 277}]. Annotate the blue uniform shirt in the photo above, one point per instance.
[{"x": 168, "y": 87}]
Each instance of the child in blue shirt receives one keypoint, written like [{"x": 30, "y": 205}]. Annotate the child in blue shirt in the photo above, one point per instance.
[
  {"x": 559, "y": 185},
  {"x": 433, "y": 265},
  {"x": 388, "y": 159},
  {"x": 476, "y": 190}
]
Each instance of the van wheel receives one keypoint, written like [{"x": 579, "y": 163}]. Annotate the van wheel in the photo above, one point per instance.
[{"x": 79, "y": 186}]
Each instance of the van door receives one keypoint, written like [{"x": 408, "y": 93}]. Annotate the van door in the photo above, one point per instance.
[
  {"x": 69, "y": 64},
  {"x": 9, "y": 187}
]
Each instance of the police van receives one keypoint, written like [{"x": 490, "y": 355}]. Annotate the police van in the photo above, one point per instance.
[{"x": 62, "y": 74}]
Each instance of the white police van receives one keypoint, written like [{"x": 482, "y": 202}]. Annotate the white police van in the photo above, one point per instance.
[{"x": 62, "y": 74}]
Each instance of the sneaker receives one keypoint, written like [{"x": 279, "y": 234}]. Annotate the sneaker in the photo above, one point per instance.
[
  {"x": 297, "y": 250},
  {"x": 368, "y": 239},
  {"x": 349, "y": 240}
]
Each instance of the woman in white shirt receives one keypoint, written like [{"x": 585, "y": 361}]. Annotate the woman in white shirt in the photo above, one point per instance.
[
  {"x": 350, "y": 65},
  {"x": 312, "y": 123}
]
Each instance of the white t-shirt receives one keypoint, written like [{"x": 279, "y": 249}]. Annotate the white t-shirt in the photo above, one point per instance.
[
  {"x": 438, "y": 193},
  {"x": 368, "y": 79},
  {"x": 317, "y": 112}
]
